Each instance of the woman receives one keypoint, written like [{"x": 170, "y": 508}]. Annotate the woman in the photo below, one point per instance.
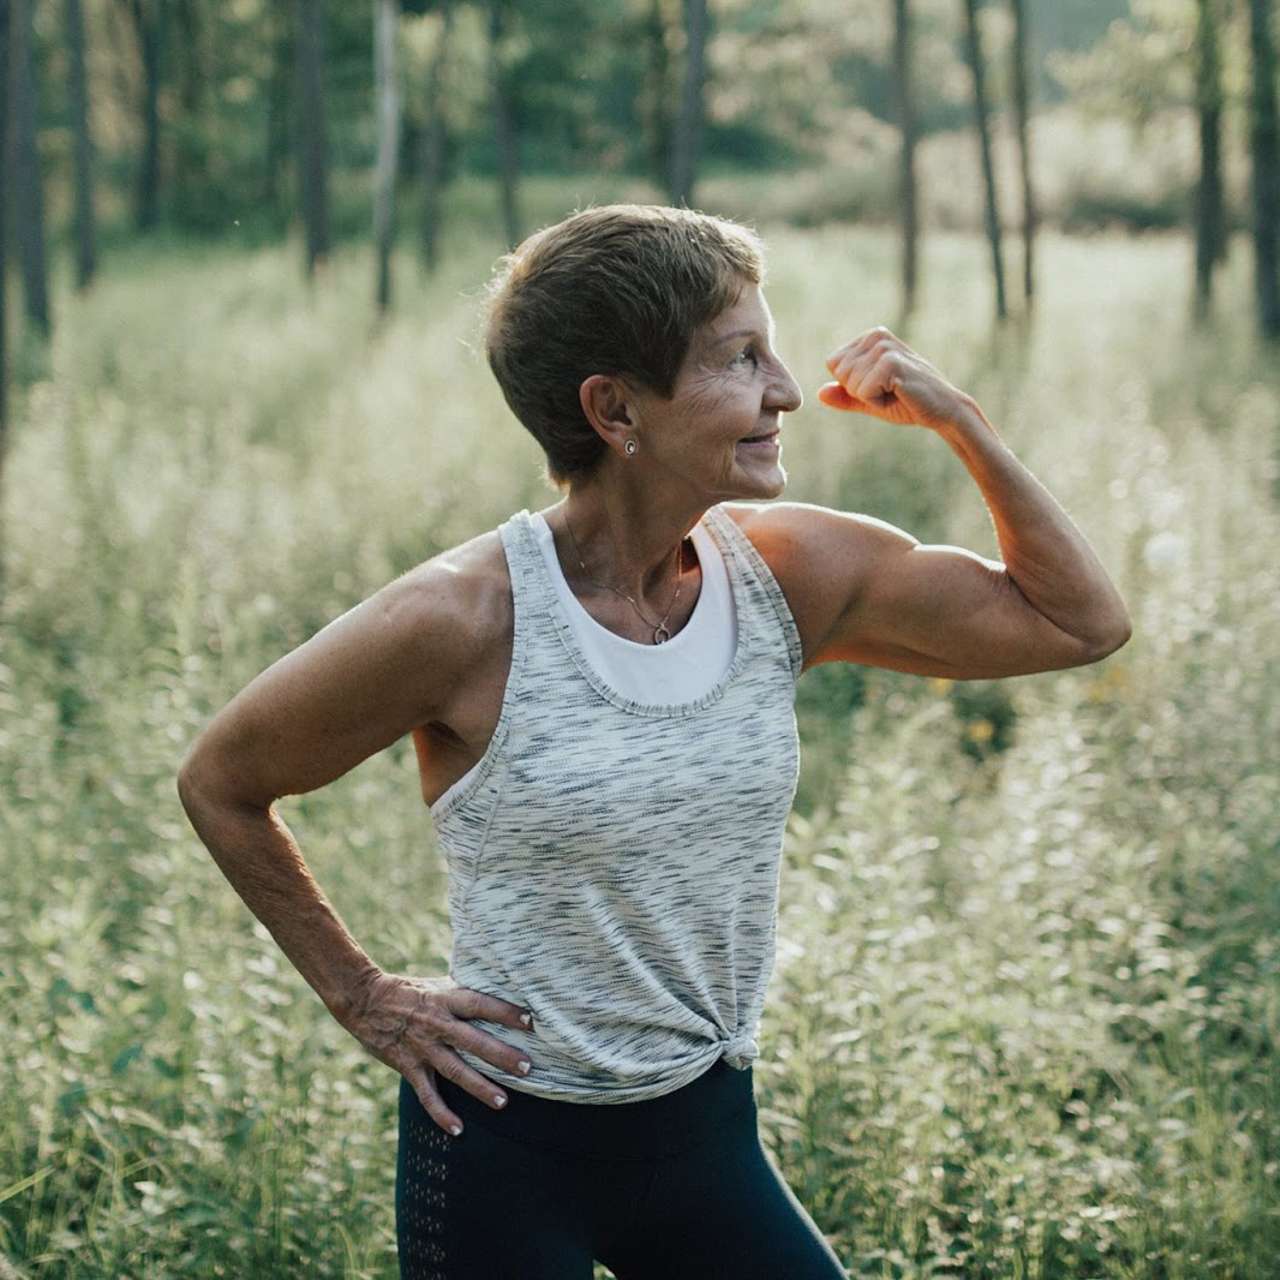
[{"x": 601, "y": 699}]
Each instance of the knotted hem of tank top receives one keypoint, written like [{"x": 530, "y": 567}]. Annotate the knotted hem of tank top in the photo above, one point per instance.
[
  {"x": 552, "y": 608},
  {"x": 740, "y": 1051},
  {"x": 743, "y": 546}
]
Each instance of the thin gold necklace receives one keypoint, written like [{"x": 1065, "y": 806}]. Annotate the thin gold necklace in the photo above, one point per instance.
[{"x": 660, "y": 632}]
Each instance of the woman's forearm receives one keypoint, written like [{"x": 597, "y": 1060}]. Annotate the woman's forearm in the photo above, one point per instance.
[
  {"x": 1045, "y": 554},
  {"x": 257, "y": 853}
]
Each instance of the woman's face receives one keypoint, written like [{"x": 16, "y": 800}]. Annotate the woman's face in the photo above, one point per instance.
[{"x": 732, "y": 385}]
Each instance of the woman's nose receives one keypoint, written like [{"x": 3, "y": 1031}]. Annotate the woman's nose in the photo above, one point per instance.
[{"x": 785, "y": 393}]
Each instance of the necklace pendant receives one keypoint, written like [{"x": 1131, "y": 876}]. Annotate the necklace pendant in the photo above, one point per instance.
[{"x": 661, "y": 634}]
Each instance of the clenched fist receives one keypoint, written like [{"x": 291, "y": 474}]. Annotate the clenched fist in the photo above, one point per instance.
[{"x": 877, "y": 373}]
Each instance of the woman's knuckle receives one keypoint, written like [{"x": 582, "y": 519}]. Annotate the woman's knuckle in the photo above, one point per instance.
[{"x": 434, "y": 1019}]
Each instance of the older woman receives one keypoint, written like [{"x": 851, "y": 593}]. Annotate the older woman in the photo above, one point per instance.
[{"x": 601, "y": 698}]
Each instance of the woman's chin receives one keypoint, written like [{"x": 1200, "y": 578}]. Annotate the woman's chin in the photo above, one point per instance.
[{"x": 766, "y": 482}]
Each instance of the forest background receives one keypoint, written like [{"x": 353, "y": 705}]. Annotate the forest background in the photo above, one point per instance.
[{"x": 1025, "y": 1012}]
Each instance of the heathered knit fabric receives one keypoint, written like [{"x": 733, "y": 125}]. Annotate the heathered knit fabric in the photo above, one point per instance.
[{"x": 613, "y": 865}]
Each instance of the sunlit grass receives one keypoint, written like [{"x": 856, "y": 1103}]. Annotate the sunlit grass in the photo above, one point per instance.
[{"x": 1025, "y": 1012}]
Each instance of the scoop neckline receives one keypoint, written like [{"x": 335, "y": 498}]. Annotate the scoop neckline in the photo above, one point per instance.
[
  {"x": 696, "y": 614},
  {"x": 556, "y": 609}
]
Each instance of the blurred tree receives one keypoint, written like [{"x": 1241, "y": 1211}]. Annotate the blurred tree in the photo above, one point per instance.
[
  {"x": 1266, "y": 167},
  {"x": 281, "y": 56},
  {"x": 193, "y": 128},
  {"x": 386, "y": 20},
  {"x": 687, "y": 133},
  {"x": 504, "y": 125},
  {"x": 973, "y": 46},
  {"x": 6, "y": 168},
  {"x": 1022, "y": 116},
  {"x": 312, "y": 132},
  {"x": 907, "y": 167},
  {"x": 148, "y": 17},
  {"x": 83, "y": 145},
  {"x": 657, "y": 94},
  {"x": 433, "y": 139},
  {"x": 28, "y": 197},
  {"x": 1149, "y": 69},
  {"x": 1210, "y": 218}
]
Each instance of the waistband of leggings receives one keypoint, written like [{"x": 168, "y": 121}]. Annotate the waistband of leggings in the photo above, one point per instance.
[{"x": 663, "y": 1125}]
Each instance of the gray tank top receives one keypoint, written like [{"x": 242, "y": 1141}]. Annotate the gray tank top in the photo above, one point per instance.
[{"x": 613, "y": 864}]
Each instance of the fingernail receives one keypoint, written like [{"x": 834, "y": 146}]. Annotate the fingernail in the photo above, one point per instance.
[
  {"x": 455, "y": 1129},
  {"x": 499, "y": 1100},
  {"x": 527, "y": 1019},
  {"x": 523, "y": 1068}
]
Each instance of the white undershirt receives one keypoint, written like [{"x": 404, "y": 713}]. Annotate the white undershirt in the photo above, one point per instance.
[{"x": 679, "y": 670}]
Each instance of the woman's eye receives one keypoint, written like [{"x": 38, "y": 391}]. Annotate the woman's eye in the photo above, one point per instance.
[{"x": 748, "y": 352}]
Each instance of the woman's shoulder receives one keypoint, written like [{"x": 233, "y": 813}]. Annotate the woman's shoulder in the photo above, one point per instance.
[
  {"x": 789, "y": 538},
  {"x": 769, "y": 526},
  {"x": 468, "y": 588}
]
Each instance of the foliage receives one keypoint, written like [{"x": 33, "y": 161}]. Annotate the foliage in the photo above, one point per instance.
[
  {"x": 1024, "y": 1017},
  {"x": 802, "y": 85}
]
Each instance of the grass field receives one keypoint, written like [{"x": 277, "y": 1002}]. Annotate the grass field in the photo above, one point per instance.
[{"x": 1025, "y": 1012}]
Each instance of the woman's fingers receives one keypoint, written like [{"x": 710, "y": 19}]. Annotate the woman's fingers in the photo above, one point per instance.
[
  {"x": 834, "y": 396},
  {"x": 878, "y": 384},
  {"x": 411, "y": 1024},
  {"x": 454, "y": 1069},
  {"x": 432, "y": 1103},
  {"x": 462, "y": 1035},
  {"x": 858, "y": 349},
  {"x": 878, "y": 374},
  {"x": 864, "y": 383},
  {"x": 466, "y": 1002}
]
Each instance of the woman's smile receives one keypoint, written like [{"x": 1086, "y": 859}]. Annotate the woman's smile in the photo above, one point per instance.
[{"x": 764, "y": 444}]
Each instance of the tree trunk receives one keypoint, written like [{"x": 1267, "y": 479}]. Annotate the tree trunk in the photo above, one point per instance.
[
  {"x": 186, "y": 148},
  {"x": 28, "y": 197},
  {"x": 974, "y": 50},
  {"x": 907, "y": 153},
  {"x": 276, "y": 142},
  {"x": 386, "y": 19},
  {"x": 85, "y": 254},
  {"x": 313, "y": 160},
  {"x": 1022, "y": 116},
  {"x": 434, "y": 137},
  {"x": 688, "y": 128},
  {"x": 657, "y": 121},
  {"x": 6, "y": 167},
  {"x": 1266, "y": 177},
  {"x": 504, "y": 128},
  {"x": 146, "y": 25},
  {"x": 1210, "y": 222}
]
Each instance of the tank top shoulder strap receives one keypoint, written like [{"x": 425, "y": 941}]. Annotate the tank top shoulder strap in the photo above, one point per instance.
[
  {"x": 761, "y": 588},
  {"x": 530, "y": 584}
]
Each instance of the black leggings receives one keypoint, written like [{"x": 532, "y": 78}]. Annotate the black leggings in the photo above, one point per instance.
[{"x": 671, "y": 1188}]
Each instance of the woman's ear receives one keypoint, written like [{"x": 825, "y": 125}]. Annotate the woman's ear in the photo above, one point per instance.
[{"x": 604, "y": 399}]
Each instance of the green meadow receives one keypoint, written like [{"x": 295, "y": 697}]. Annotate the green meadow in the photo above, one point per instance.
[{"x": 1024, "y": 1017}]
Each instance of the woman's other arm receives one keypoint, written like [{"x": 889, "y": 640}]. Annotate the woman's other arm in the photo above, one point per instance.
[
  {"x": 384, "y": 667},
  {"x": 358, "y": 685}
]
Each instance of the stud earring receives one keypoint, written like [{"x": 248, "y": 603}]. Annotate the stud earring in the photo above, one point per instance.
[{"x": 630, "y": 447}]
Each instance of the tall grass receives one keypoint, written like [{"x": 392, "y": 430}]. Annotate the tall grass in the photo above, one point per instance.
[{"x": 1024, "y": 1016}]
